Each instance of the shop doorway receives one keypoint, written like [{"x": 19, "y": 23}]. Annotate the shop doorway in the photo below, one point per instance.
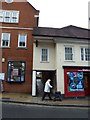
[
  {"x": 1, "y": 86},
  {"x": 87, "y": 83},
  {"x": 41, "y": 77}
]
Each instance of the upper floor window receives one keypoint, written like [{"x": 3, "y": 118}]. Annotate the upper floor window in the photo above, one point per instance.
[
  {"x": 9, "y": 16},
  {"x": 5, "y": 39},
  {"x": 22, "y": 40},
  {"x": 69, "y": 53},
  {"x": 85, "y": 54},
  {"x": 9, "y": 1},
  {"x": 1, "y": 16},
  {"x": 44, "y": 55}
]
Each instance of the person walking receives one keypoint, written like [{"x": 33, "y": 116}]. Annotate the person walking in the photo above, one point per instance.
[{"x": 47, "y": 89}]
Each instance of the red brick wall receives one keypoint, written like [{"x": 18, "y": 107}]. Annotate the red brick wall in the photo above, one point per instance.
[
  {"x": 14, "y": 53},
  {"x": 27, "y": 13}
]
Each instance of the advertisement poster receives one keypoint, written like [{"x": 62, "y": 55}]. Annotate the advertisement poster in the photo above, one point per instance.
[
  {"x": 2, "y": 75},
  {"x": 75, "y": 81},
  {"x": 15, "y": 72}
]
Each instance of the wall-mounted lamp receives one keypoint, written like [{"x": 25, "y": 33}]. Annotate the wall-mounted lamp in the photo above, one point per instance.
[
  {"x": 36, "y": 43},
  {"x": 3, "y": 60}
]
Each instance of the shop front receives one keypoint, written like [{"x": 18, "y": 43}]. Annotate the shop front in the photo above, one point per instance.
[{"x": 77, "y": 81}]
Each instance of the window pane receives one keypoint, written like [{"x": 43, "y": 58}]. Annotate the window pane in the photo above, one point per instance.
[
  {"x": 14, "y": 17},
  {"x": 6, "y": 36},
  {"x": 82, "y": 54},
  {"x": 5, "y": 39},
  {"x": 87, "y": 54},
  {"x": 44, "y": 54},
  {"x": 7, "y": 16},
  {"x": 22, "y": 40},
  {"x": 68, "y": 53}
]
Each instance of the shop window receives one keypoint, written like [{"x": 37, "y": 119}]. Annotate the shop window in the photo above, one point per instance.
[
  {"x": 75, "y": 81},
  {"x": 16, "y": 71}
]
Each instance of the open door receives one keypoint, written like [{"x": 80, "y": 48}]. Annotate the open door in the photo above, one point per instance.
[
  {"x": 41, "y": 77},
  {"x": 87, "y": 83}
]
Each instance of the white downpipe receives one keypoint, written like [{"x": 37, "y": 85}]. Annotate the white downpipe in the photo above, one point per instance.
[{"x": 34, "y": 83}]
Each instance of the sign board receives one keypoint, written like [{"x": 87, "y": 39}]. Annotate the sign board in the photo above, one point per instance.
[
  {"x": 2, "y": 75},
  {"x": 85, "y": 70}
]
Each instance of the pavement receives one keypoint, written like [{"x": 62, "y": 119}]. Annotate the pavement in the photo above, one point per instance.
[{"x": 24, "y": 98}]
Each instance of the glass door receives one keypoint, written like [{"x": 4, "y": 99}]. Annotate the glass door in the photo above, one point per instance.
[{"x": 87, "y": 83}]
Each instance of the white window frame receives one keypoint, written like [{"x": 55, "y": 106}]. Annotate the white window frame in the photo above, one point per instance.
[
  {"x": 1, "y": 16},
  {"x": 8, "y": 39},
  {"x": 10, "y": 18},
  {"x": 7, "y": 16},
  {"x": 15, "y": 17},
  {"x": 84, "y": 58},
  {"x": 72, "y": 53},
  {"x": 9, "y": 1},
  {"x": 19, "y": 35},
  {"x": 47, "y": 55}
]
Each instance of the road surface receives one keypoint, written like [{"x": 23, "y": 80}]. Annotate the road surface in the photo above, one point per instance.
[{"x": 13, "y": 110}]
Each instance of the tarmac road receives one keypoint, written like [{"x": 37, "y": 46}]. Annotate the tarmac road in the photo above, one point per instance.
[{"x": 14, "y": 110}]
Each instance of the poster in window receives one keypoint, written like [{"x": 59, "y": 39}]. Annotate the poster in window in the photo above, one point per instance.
[
  {"x": 75, "y": 81},
  {"x": 2, "y": 75},
  {"x": 15, "y": 72}
]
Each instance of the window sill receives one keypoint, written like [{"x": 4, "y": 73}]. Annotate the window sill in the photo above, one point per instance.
[
  {"x": 5, "y": 47},
  {"x": 15, "y": 81},
  {"x": 69, "y": 61},
  {"x": 22, "y": 48},
  {"x": 85, "y": 61},
  {"x": 44, "y": 62},
  {"x": 9, "y": 22}
]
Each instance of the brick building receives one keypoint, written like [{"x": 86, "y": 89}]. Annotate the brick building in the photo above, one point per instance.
[{"x": 17, "y": 19}]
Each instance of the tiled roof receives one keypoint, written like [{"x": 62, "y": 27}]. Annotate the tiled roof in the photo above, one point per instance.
[{"x": 68, "y": 32}]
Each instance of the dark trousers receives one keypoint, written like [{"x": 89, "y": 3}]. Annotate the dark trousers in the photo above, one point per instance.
[{"x": 44, "y": 95}]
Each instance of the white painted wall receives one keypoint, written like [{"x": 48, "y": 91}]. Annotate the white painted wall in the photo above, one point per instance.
[
  {"x": 60, "y": 61},
  {"x": 37, "y": 64},
  {"x": 57, "y": 54}
]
